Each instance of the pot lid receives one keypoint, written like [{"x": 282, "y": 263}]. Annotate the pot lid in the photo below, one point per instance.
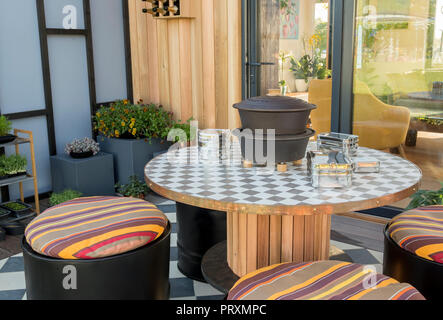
[{"x": 275, "y": 104}]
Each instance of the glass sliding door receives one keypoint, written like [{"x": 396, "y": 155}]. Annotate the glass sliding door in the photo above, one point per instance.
[
  {"x": 288, "y": 46},
  {"x": 398, "y": 80}
]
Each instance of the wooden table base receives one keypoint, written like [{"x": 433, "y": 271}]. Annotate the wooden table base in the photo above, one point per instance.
[{"x": 257, "y": 241}]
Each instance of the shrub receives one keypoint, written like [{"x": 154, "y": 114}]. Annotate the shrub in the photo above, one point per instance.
[
  {"x": 424, "y": 198},
  {"x": 135, "y": 188},
  {"x": 82, "y": 145},
  {"x": 5, "y": 126},
  {"x": 58, "y": 198},
  {"x": 128, "y": 121},
  {"x": 14, "y": 164}
]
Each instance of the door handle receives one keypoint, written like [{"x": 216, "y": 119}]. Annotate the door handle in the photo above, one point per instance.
[{"x": 259, "y": 64}]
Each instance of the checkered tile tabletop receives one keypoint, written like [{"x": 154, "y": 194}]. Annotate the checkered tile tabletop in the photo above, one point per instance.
[{"x": 229, "y": 182}]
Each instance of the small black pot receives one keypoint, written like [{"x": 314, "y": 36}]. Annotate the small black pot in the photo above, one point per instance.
[
  {"x": 288, "y": 148},
  {"x": 286, "y": 115},
  {"x": 81, "y": 155},
  {"x": 14, "y": 228},
  {"x": 4, "y": 212},
  {"x": 8, "y": 138}
]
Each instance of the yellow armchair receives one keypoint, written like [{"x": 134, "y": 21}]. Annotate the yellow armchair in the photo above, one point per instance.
[{"x": 380, "y": 126}]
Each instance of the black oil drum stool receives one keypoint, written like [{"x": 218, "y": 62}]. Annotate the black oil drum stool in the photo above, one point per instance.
[
  {"x": 198, "y": 230},
  {"x": 413, "y": 250},
  {"x": 98, "y": 248}
]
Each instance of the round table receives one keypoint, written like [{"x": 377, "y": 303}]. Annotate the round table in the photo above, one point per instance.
[{"x": 275, "y": 217}]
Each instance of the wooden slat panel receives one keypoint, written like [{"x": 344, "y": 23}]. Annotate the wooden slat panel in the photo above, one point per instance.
[
  {"x": 275, "y": 239},
  {"x": 132, "y": 8},
  {"x": 174, "y": 68},
  {"x": 152, "y": 60},
  {"x": 243, "y": 243},
  {"x": 221, "y": 63},
  {"x": 298, "y": 239},
  {"x": 143, "y": 47},
  {"x": 286, "y": 238},
  {"x": 208, "y": 50},
  {"x": 229, "y": 237},
  {"x": 263, "y": 238},
  {"x": 163, "y": 60},
  {"x": 252, "y": 243},
  {"x": 309, "y": 238},
  {"x": 235, "y": 243},
  {"x": 185, "y": 69},
  {"x": 196, "y": 63},
  {"x": 234, "y": 62}
]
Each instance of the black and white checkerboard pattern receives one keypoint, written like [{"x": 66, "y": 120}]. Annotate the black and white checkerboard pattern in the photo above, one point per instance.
[
  {"x": 12, "y": 280},
  {"x": 229, "y": 182}
]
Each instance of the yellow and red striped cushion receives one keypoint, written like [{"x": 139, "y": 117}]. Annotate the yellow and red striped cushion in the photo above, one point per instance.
[
  {"x": 420, "y": 231},
  {"x": 322, "y": 280},
  {"x": 95, "y": 227}
]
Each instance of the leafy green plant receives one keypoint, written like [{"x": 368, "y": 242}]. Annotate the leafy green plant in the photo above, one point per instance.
[
  {"x": 135, "y": 188},
  {"x": 186, "y": 127},
  {"x": 424, "y": 198},
  {"x": 128, "y": 121},
  {"x": 58, "y": 198},
  {"x": 302, "y": 68},
  {"x": 5, "y": 126},
  {"x": 14, "y": 164}
]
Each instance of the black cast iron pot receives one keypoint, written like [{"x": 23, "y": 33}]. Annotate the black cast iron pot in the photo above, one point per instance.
[
  {"x": 287, "y": 115},
  {"x": 288, "y": 148}
]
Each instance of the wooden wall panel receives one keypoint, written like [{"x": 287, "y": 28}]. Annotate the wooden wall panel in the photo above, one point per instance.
[{"x": 191, "y": 66}]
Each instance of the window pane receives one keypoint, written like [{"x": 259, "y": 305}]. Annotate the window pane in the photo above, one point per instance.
[{"x": 398, "y": 78}]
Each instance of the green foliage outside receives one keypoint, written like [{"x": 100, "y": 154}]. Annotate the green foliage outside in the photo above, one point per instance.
[{"x": 424, "y": 198}]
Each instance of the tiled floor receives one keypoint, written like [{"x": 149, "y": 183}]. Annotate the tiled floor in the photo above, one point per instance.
[{"x": 12, "y": 282}]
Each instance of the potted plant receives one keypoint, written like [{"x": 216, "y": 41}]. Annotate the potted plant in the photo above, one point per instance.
[
  {"x": 302, "y": 72},
  {"x": 132, "y": 134},
  {"x": 5, "y": 129},
  {"x": 283, "y": 57},
  {"x": 12, "y": 166},
  {"x": 424, "y": 198},
  {"x": 82, "y": 148},
  {"x": 134, "y": 189},
  {"x": 66, "y": 195}
]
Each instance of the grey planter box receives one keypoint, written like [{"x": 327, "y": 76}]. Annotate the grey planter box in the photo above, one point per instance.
[
  {"x": 91, "y": 176},
  {"x": 131, "y": 156}
]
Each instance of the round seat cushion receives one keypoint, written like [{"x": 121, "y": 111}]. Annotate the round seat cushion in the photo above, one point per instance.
[
  {"x": 95, "y": 227},
  {"x": 420, "y": 231},
  {"x": 322, "y": 280}
]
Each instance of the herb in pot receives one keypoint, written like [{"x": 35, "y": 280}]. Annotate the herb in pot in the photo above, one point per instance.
[
  {"x": 58, "y": 198},
  {"x": 15, "y": 206},
  {"x": 425, "y": 198},
  {"x": 13, "y": 165},
  {"x": 5, "y": 126},
  {"x": 134, "y": 189}
]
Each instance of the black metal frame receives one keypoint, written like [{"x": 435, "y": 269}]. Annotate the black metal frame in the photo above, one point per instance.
[{"x": 87, "y": 33}]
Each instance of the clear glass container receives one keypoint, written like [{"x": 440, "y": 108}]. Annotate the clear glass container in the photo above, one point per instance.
[{"x": 329, "y": 169}]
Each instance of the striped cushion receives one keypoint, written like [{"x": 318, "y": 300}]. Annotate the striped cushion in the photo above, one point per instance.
[
  {"x": 323, "y": 280},
  {"x": 95, "y": 227},
  {"x": 420, "y": 231}
]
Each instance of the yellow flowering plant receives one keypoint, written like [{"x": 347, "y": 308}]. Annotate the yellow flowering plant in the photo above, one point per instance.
[{"x": 133, "y": 121}]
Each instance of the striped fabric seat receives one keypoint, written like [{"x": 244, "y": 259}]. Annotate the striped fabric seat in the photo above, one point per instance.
[
  {"x": 322, "y": 280},
  {"x": 420, "y": 231},
  {"x": 95, "y": 227}
]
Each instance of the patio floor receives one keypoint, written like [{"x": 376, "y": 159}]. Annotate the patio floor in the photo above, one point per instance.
[{"x": 361, "y": 240}]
